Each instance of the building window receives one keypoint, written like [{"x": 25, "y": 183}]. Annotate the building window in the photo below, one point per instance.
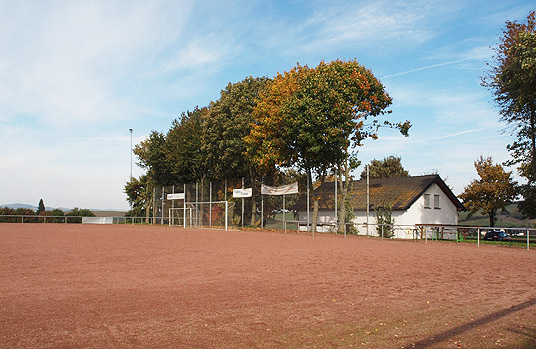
[
  {"x": 427, "y": 201},
  {"x": 436, "y": 202}
]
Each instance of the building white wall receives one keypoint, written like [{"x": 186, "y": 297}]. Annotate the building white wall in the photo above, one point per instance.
[{"x": 416, "y": 214}]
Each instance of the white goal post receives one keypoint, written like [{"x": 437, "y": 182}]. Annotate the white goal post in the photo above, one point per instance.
[
  {"x": 178, "y": 213},
  {"x": 198, "y": 212}
]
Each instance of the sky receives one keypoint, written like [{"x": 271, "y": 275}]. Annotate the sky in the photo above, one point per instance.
[{"x": 75, "y": 76}]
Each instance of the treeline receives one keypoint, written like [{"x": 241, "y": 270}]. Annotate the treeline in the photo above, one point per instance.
[
  {"x": 55, "y": 214},
  {"x": 75, "y": 212},
  {"x": 307, "y": 123}
]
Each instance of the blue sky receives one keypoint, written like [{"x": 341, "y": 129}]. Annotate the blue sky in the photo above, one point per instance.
[{"x": 76, "y": 75}]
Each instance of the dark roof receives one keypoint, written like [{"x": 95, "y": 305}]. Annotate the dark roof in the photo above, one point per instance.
[{"x": 400, "y": 193}]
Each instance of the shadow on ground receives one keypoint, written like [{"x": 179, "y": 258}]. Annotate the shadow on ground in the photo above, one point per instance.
[{"x": 443, "y": 336}]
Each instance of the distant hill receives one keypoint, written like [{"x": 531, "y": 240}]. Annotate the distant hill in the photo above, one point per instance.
[
  {"x": 15, "y": 206},
  {"x": 510, "y": 218},
  {"x": 26, "y": 206}
]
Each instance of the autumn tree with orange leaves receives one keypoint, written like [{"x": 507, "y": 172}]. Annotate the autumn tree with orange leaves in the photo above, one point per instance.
[
  {"x": 492, "y": 192},
  {"x": 313, "y": 118}
]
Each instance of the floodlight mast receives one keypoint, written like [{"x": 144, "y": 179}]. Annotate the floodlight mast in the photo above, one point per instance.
[
  {"x": 130, "y": 152},
  {"x": 131, "y": 161}
]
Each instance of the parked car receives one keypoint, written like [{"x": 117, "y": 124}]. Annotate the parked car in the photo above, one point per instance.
[{"x": 497, "y": 235}]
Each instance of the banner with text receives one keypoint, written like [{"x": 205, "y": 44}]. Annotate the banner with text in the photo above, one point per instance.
[{"x": 282, "y": 190}]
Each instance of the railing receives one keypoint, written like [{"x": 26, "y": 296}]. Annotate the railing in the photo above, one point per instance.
[{"x": 426, "y": 232}]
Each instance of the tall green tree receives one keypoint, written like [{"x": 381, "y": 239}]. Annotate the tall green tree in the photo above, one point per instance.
[
  {"x": 40, "y": 207},
  {"x": 139, "y": 194},
  {"x": 493, "y": 191},
  {"x": 151, "y": 153},
  {"x": 184, "y": 147},
  {"x": 388, "y": 167},
  {"x": 512, "y": 79},
  {"x": 231, "y": 120}
]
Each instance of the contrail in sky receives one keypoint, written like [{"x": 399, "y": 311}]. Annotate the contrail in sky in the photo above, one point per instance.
[{"x": 432, "y": 66}]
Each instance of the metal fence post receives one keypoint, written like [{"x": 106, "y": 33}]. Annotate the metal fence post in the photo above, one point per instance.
[
  {"x": 172, "y": 205},
  {"x": 284, "y": 214},
  {"x": 242, "y": 204},
  {"x": 336, "y": 213},
  {"x": 226, "y": 213}
]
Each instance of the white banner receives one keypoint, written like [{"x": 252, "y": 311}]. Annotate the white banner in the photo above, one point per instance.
[
  {"x": 242, "y": 193},
  {"x": 176, "y": 196},
  {"x": 282, "y": 190}
]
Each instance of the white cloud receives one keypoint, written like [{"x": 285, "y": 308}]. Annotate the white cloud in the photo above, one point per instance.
[
  {"x": 197, "y": 53},
  {"x": 67, "y": 63},
  {"x": 378, "y": 23},
  {"x": 87, "y": 172}
]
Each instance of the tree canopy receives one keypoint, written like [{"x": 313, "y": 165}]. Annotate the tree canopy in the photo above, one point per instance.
[
  {"x": 40, "y": 207},
  {"x": 231, "y": 120},
  {"x": 308, "y": 119},
  {"x": 512, "y": 79},
  {"x": 388, "y": 167},
  {"x": 312, "y": 118},
  {"x": 492, "y": 192},
  {"x": 151, "y": 153},
  {"x": 184, "y": 149}
]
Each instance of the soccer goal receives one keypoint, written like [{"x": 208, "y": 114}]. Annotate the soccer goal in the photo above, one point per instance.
[
  {"x": 181, "y": 216},
  {"x": 201, "y": 214}
]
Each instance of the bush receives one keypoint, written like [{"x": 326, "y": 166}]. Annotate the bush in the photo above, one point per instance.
[
  {"x": 80, "y": 212},
  {"x": 384, "y": 219}
]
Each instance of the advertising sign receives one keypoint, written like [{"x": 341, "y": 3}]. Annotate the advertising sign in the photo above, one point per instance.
[
  {"x": 242, "y": 193},
  {"x": 176, "y": 196}
]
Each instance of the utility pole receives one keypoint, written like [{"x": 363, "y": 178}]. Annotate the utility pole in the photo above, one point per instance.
[
  {"x": 131, "y": 161},
  {"x": 131, "y": 152}
]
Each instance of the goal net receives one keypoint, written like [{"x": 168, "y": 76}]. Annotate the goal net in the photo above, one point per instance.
[
  {"x": 181, "y": 216},
  {"x": 201, "y": 214}
]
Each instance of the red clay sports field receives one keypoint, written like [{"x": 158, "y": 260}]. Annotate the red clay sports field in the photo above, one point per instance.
[{"x": 70, "y": 285}]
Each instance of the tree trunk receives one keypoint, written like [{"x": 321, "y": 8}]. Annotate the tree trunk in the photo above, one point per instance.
[
  {"x": 343, "y": 186},
  {"x": 492, "y": 218},
  {"x": 315, "y": 206},
  {"x": 533, "y": 142},
  {"x": 315, "y": 213},
  {"x": 148, "y": 201}
]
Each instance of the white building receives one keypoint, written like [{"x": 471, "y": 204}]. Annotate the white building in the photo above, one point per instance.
[{"x": 415, "y": 202}]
